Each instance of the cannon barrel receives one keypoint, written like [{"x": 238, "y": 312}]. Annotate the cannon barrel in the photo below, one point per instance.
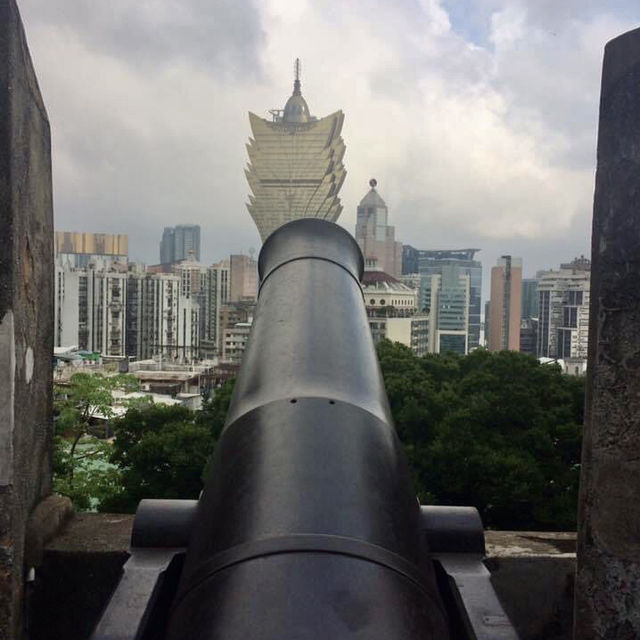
[{"x": 308, "y": 527}]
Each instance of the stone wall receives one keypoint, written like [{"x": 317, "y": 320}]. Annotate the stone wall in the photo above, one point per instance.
[
  {"x": 608, "y": 578},
  {"x": 26, "y": 308}
]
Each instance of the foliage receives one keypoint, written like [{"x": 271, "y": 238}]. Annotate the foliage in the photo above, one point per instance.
[
  {"x": 162, "y": 451},
  {"x": 80, "y": 471},
  {"x": 94, "y": 478},
  {"x": 498, "y": 431}
]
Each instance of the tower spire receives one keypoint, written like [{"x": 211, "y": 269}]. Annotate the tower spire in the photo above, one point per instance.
[{"x": 297, "y": 67}]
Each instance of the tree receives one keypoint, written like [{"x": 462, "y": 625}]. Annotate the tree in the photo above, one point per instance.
[
  {"x": 498, "y": 431},
  {"x": 163, "y": 451},
  {"x": 81, "y": 470}
]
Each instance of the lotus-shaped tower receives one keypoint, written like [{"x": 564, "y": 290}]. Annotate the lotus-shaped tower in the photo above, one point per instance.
[{"x": 295, "y": 165}]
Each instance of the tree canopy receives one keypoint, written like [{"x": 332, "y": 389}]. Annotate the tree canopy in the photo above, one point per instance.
[
  {"x": 163, "y": 451},
  {"x": 498, "y": 431}
]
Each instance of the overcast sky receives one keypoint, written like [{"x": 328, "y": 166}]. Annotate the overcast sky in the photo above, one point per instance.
[{"x": 478, "y": 118}]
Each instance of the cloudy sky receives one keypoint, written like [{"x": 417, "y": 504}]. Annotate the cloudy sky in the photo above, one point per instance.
[{"x": 477, "y": 117}]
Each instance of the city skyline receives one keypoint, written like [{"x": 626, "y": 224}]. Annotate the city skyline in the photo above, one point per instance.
[{"x": 482, "y": 129}]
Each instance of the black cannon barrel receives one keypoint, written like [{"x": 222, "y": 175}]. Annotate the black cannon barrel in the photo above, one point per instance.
[{"x": 308, "y": 527}]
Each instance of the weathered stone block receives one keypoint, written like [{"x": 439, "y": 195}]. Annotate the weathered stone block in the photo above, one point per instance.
[
  {"x": 26, "y": 308},
  {"x": 608, "y": 576}
]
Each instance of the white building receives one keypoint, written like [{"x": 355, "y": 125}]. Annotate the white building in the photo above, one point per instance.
[
  {"x": 223, "y": 278},
  {"x": 295, "y": 165},
  {"x": 201, "y": 283},
  {"x": 392, "y": 309},
  {"x": 563, "y": 308},
  {"x": 235, "y": 342},
  {"x": 161, "y": 319},
  {"x": 90, "y": 310}
]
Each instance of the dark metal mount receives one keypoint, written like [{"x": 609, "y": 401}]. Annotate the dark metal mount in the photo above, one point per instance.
[{"x": 161, "y": 532}]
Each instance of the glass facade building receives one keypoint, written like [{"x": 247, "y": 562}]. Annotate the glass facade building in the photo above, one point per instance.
[
  {"x": 450, "y": 265},
  {"x": 529, "y": 298}
]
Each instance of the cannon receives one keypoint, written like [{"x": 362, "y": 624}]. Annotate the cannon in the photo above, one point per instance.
[{"x": 308, "y": 526}]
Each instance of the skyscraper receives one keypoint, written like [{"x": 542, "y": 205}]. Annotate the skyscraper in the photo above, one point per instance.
[
  {"x": 504, "y": 309},
  {"x": 178, "y": 242},
  {"x": 463, "y": 263},
  {"x": 529, "y": 298},
  {"x": 295, "y": 165},
  {"x": 376, "y": 238}
]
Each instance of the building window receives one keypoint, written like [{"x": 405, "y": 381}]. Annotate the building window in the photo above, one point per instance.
[
  {"x": 574, "y": 297},
  {"x": 570, "y": 316}
]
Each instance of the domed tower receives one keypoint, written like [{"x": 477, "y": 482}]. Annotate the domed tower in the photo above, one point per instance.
[
  {"x": 295, "y": 167},
  {"x": 377, "y": 239}
]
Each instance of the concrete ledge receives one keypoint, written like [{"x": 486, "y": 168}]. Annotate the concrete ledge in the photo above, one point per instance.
[
  {"x": 532, "y": 573},
  {"x": 79, "y": 572}
]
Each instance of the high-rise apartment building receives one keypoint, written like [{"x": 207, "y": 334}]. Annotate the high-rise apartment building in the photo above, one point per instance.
[
  {"x": 505, "y": 305},
  {"x": 295, "y": 165},
  {"x": 90, "y": 309},
  {"x": 223, "y": 276},
  {"x": 457, "y": 263},
  {"x": 200, "y": 283},
  {"x": 375, "y": 236},
  {"x": 161, "y": 319},
  {"x": 78, "y": 249},
  {"x": 563, "y": 309},
  {"x": 131, "y": 313},
  {"x": 178, "y": 242}
]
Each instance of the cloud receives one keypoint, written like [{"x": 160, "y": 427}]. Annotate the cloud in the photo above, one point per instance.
[
  {"x": 479, "y": 125},
  {"x": 210, "y": 34}
]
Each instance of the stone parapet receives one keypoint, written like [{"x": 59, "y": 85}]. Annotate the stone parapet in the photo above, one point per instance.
[{"x": 531, "y": 571}]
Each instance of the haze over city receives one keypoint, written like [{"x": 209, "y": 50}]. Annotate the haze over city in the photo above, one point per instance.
[{"x": 479, "y": 123}]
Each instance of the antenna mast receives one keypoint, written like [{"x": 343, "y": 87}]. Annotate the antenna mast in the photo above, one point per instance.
[{"x": 297, "y": 67}]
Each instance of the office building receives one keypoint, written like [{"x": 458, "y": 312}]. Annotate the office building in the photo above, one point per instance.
[
  {"x": 487, "y": 314},
  {"x": 375, "y": 236},
  {"x": 563, "y": 309},
  {"x": 445, "y": 297},
  {"x": 410, "y": 259},
  {"x": 529, "y": 298},
  {"x": 178, "y": 242},
  {"x": 505, "y": 305},
  {"x": 529, "y": 336},
  {"x": 75, "y": 250},
  {"x": 458, "y": 264},
  {"x": 295, "y": 165}
]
